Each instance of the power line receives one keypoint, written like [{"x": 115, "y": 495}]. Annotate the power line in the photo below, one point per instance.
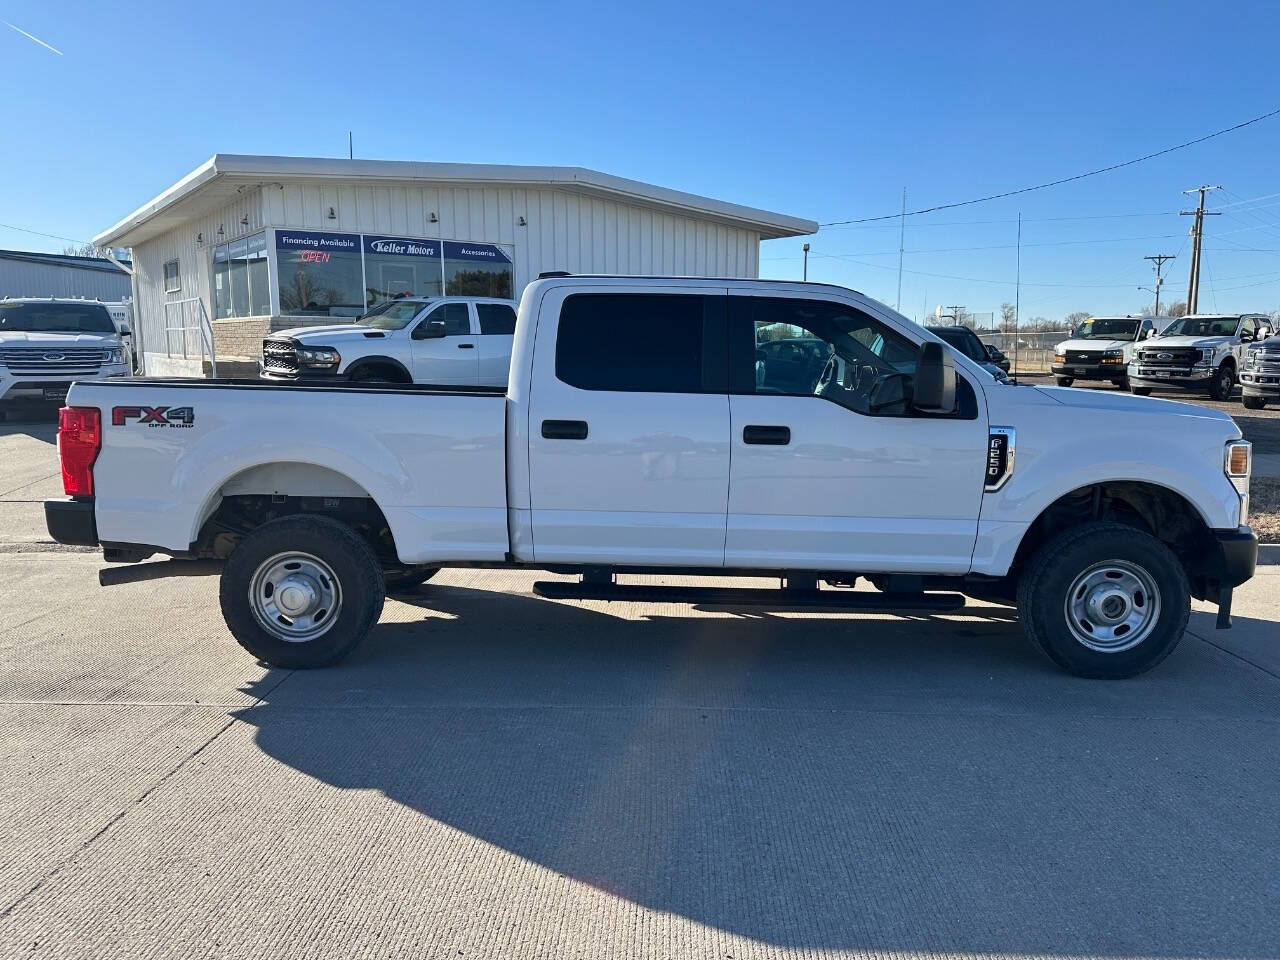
[
  {"x": 1059, "y": 182},
  {"x": 51, "y": 236}
]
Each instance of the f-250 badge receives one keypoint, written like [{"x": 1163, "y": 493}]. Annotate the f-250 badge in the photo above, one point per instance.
[{"x": 181, "y": 417}]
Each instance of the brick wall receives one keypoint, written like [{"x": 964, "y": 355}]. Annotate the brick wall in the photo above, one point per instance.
[{"x": 240, "y": 338}]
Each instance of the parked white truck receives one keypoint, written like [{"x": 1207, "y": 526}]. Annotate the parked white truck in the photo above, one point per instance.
[
  {"x": 1199, "y": 352},
  {"x": 1100, "y": 348},
  {"x": 646, "y": 427},
  {"x": 46, "y": 343},
  {"x": 440, "y": 340}
]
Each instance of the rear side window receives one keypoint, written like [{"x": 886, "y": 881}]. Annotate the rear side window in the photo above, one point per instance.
[
  {"x": 648, "y": 343},
  {"x": 496, "y": 318}
]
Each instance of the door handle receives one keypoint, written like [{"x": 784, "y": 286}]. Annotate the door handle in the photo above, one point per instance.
[
  {"x": 466, "y": 346},
  {"x": 769, "y": 435},
  {"x": 564, "y": 429}
]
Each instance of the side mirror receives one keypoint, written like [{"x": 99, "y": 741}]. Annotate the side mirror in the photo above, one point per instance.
[
  {"x": 429, "y": 330},
  {"x": 125, "y": 330},
  {"x": 1246, "y": 336},
  {"x": 1150, "y": 332},
  {"x": 992, "y": 352},
  {"x": 935, "y": 383}
]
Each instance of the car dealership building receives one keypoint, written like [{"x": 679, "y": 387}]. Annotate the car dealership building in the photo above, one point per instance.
[{"x": 246, "y": 245}]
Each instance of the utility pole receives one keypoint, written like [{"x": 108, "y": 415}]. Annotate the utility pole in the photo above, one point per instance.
[
  {"x": 805, "y": 248},
  {"x": 902, "y": 235},
  {"x": 955, "y": 314},
  {"x": 351, "y": 152},
  {"x": 1017, "y": 296},
  {"x": 1158, "y": 259},
  {"x": 1197, "y": 234}
]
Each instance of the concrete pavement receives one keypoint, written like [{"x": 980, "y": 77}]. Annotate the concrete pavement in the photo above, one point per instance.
[{"x": 496, "y": 775}]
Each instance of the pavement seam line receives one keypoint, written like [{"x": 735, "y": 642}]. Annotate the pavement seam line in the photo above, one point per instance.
[
  {"x": 23, "y": 486},
  {"x": 121, "y": 814},
  {"x": 1216, "y": 646}
]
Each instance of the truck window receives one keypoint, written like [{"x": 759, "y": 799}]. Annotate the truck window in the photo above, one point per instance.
[
  {"x": 805, "y": 348},
  {"x": 496, "y": 318},
  {"x": 54, "y": 317},
  {"x": 650, "y": 343},
  {"x": 454, "y": 315}
]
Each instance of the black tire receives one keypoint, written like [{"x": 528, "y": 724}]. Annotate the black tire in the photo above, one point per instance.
[
  {"x": 1122, "y": 383},
  {"x": 1064, "y": 381},
  {"x": 1253, "y": 403},
  {"x": 1052, "y": 573},
  {"x": 408, "y": 577},
  {"x": 1140, "y": 391},
  {"x": 1224, "y": 381},
  {"x": 354, "y": 567}
]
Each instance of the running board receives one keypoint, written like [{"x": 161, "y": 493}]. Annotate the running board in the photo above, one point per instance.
[{"x": 748, "y": 596}]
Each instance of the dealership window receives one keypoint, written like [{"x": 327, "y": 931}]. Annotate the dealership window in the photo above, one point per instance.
[
  {"x": 172, "y": 277},
  {"x": 240, "y": 283},
  {"x": 401, "y": 267},
  {"x": 320, "y": 274},
  {"x": 477, "y": 270}
]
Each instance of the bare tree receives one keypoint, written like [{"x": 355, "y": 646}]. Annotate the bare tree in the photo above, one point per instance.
[
  {"x": 1076, "y": 318},
  {"x": 84, "y": 250},
  {"x": 1008, "y": 318},
  {"x": 1177, "y": 309}
]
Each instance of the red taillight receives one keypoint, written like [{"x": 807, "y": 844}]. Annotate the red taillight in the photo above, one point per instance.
[{"x": 79, "y": 440}]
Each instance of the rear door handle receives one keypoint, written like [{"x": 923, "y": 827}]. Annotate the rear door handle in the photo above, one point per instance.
[
  {"x": 564, "y": 429},
  {"x": 769, "y": 435},
  {"x": 466, "y": 346}
]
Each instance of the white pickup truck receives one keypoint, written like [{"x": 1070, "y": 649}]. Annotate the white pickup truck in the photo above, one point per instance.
[
  {"x": 440, "y": 340},
  {"x": 1200, "y": 352},
  {"x": 46, "y": 343},
  {"x": 647, "y": 427}
]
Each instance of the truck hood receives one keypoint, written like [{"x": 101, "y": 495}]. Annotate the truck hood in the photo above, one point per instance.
[
  {"x": 50, "y": 341},
  {"x": 1111, "y": 404},
  {"x": 332, "y": 335},
  {"x": 1093, "y": 345},
  {"x": 1157, "y": 342}
]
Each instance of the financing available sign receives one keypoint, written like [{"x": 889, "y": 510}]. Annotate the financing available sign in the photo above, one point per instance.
[{"x": 312, "y": 240}]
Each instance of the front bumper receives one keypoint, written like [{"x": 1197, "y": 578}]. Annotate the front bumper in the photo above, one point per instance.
[
  {"x": 1189, "y": 379},
  {"x": 71, "y": 522},
  {"x": 1259, "y": 384},
  {"x": 1229, "y": 562},
  {"x": 34, "y": 388},
  {"x": 1090, "y": 371}
]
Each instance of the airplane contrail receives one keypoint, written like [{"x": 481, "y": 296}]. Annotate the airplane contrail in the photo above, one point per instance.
[{"x": 29, "y": 36}]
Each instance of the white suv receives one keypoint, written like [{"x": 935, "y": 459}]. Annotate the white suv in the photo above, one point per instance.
[
  {"x": 444, "y": 340},
  {"x": 47, "y": 343}
]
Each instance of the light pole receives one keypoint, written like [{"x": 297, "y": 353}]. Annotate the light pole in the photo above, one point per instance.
[{"x": 805, "y": 248}]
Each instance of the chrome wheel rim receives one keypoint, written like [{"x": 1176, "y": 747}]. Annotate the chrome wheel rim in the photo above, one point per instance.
[
  {"x": 1112, "y": 606},
  {"x": 295, "y": 596}
]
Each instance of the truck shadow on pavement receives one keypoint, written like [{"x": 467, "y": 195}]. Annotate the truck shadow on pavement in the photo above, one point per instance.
[{"x": 815, "y": 783}]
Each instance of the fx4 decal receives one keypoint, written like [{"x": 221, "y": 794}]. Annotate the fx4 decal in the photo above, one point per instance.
[{"x": 180, "y": 417}]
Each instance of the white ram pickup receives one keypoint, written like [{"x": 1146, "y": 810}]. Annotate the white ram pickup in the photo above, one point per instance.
[
  {"x": 439, "y": 340},
  {"x": 647, "y": 426}
]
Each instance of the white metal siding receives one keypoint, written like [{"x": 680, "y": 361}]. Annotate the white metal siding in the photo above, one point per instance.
[
  {"x": 565, "y": 231},
  {"x": 194, "y": 263}
]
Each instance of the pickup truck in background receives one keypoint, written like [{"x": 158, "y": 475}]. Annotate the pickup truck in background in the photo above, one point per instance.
[
  {"x": 964, "y": 340},
  {"x": 1100, "y": 348},
  {"x": 648, "y": 426},
  {"x": 1200, "y": 352},
  {"x": 47, "y": 343},
  {"x": 440, "y": 340},
  {"x": 1260, "y": 376}
]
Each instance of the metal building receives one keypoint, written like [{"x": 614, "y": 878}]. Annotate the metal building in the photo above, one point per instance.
[
  {"x": 29, "y": 274},
  {"x": 245, "y": 245}
]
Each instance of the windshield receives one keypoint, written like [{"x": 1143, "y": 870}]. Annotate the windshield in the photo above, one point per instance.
[
  {"x": 392, "y": 315},
  {"x": 55, "y": 318},
  {"x": 1202, "y": 327},
  {"x": 1107, "y": 329}
]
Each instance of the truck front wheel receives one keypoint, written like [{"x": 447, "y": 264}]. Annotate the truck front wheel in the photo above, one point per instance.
[
  {"x": 1223, "y": 383},
  {"x": 1064, "y": 381},
  {"x": 1140, "y": 391},
  {"x": 1253, "y": 403},
  {"x": 301, "y": 591},
  {"x": 1104, "y": 600}
]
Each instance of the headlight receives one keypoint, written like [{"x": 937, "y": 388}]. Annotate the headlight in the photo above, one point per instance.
[
  {"x": 320, "y": 357},
  {"x": 1206, "y": 353},
  {"x": 1113, "y": 356},
  {"x": 1059, "y": 358},
  {"x": 115, "y": 355}
]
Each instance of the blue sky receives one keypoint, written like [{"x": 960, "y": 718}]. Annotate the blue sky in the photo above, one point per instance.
[{"x": 821, "y": 110}]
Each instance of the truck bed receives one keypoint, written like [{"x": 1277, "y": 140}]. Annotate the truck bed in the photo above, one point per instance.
[{"x": 431, "y": 457}]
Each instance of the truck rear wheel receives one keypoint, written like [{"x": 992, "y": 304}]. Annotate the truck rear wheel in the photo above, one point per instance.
[
  {"x": 1104, "y": 600},
  {"x": 301, "y": 591}
]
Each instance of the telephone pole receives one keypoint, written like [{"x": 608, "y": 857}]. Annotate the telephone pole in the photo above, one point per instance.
[
  {"x": 1159, "y": 259},
  {"x": 1197, "y": 234}
]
